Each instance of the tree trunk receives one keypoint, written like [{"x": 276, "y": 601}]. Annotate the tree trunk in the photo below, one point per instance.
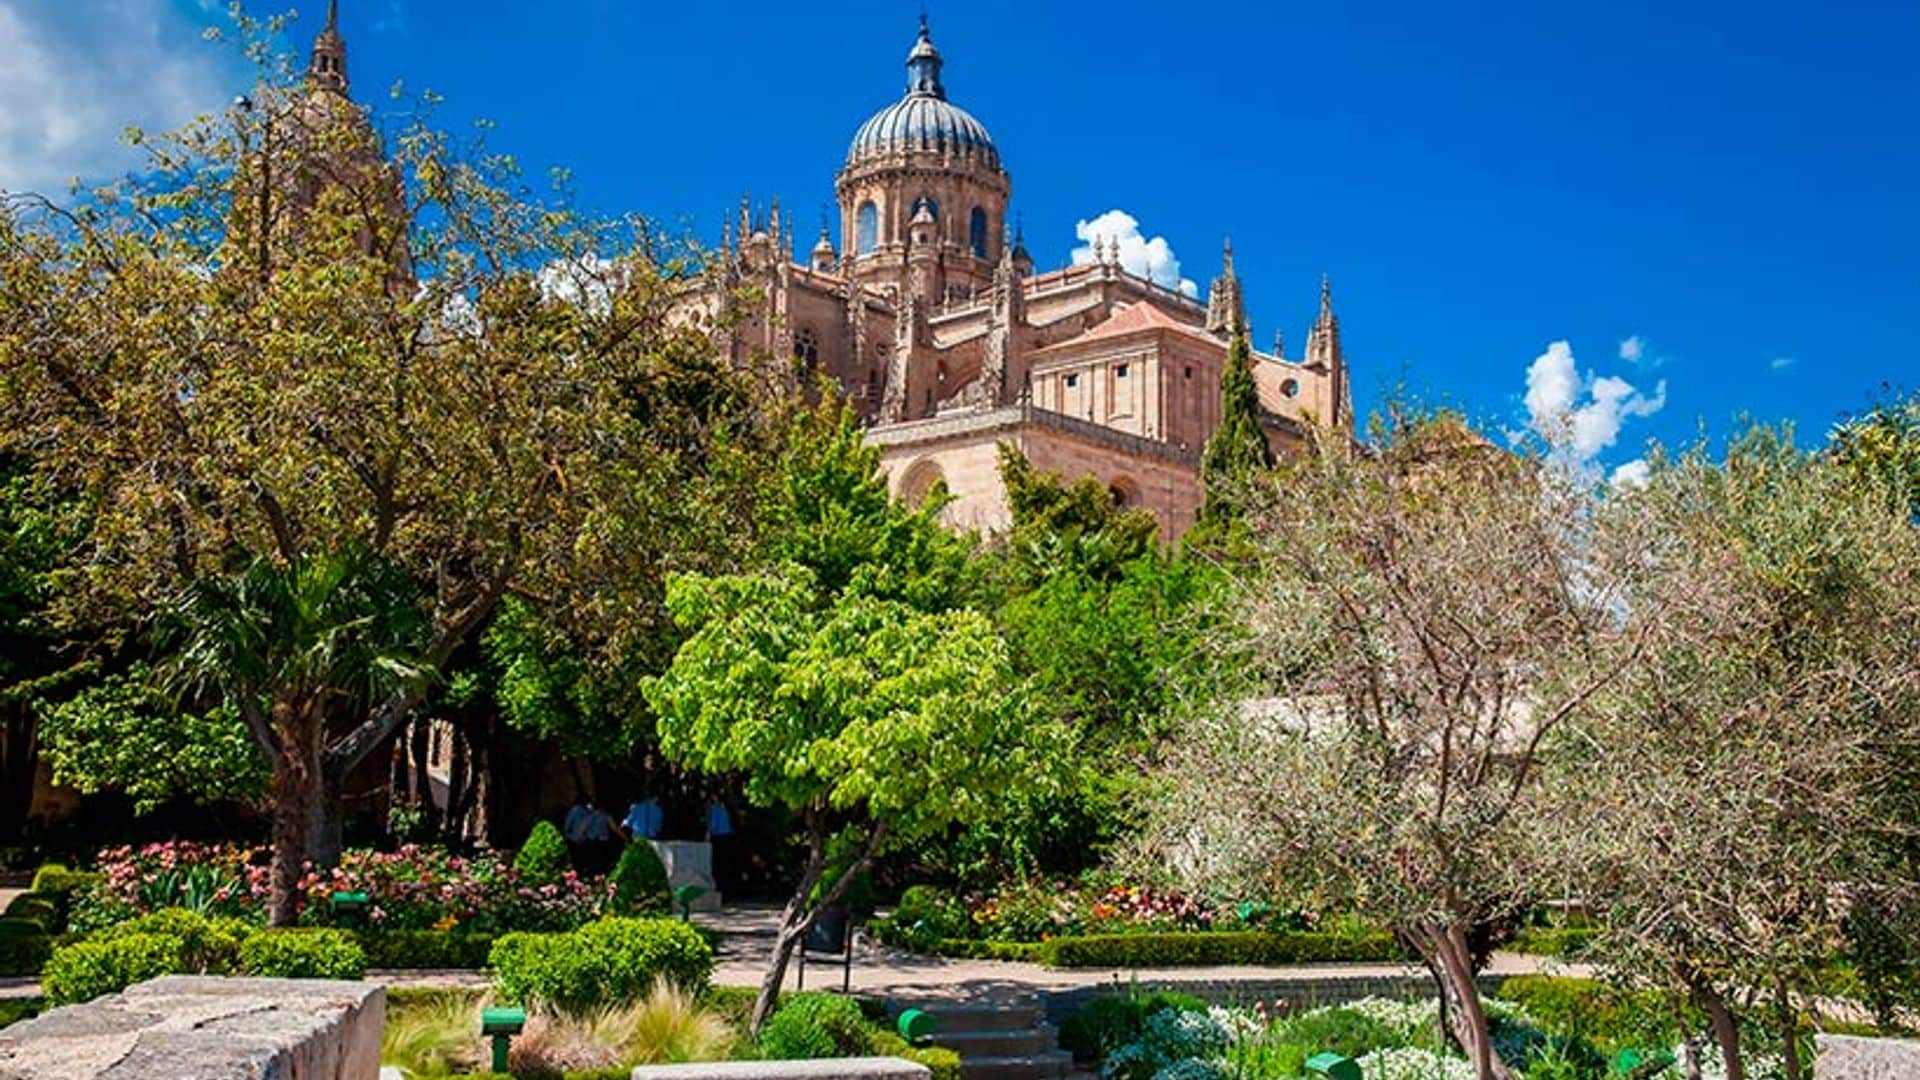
[
  {"x": 1445, "y": 951},
  {"x": 325, "y": 829},
  {"x": 1789, "y": 1036},
  {"x": 295, "y": 778},
  {"x": 799, "y": 916},
  {"x": 1725, "y": 1031}
]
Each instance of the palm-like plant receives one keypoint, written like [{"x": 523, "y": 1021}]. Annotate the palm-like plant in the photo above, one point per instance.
[{"x": 294, "y": 645}]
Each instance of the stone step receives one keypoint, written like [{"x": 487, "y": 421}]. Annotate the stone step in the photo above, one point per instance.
[
  {"x": 979, "y": 1016},
  {"x": 995, "y": 1044},
  {"x": 1053, "y": 1063}
]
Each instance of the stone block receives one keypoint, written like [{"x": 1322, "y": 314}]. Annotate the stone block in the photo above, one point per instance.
[
  {"x": 196, "y": 1027},
  {"x": 690, "y": 862},
  {"x": 1851, "y": 1057}
]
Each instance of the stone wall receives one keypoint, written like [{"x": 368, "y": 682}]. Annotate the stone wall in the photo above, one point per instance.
[{"x": 195, "y": 1027}]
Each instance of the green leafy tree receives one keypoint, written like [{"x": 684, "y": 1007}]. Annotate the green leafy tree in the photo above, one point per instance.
[
  {"x": 124, "y": 733},
  {"x": 1237, "y": 452},
  {"x": 38, "y": 658},
  {"x": 285, "y": 342},
  {"x": 875, "y": 723},
  {"x": 846, "y": 682},
  {"x": 1059, "y": 526}
]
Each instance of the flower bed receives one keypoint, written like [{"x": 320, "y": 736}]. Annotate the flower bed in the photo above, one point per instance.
[
  {"x": 1103, "y": 924},
  {"x": 411, "y": 889}
]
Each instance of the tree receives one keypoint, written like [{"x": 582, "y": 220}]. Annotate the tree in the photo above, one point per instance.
[
  {"x": 877, "y": 724},
  {"x": 279, "y": 345},
  {"x": 1237, "y": 452},
  {"x": 1882, "y": 446},
  {"x": 1422, "y": 616},
  {"x": 36, "y": 660},
  {"x": 845, "y": 680},
  {"x": 124, "y": 733},
  {"x": 1068, "y": 527},
  {"x": 1726, "y": 786}
]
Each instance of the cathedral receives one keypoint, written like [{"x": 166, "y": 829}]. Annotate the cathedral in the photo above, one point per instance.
[{"x": 932, "y": 318}]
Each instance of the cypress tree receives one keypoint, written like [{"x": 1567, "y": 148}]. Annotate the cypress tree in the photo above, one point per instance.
[{"x": 1237, "y": 452}]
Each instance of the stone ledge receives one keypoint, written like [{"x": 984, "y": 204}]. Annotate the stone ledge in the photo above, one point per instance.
[
  {"x": 1852, "y": 1057},
  {"x": 196, "y": 1027},
  {"x": 862, "y": 1068}
]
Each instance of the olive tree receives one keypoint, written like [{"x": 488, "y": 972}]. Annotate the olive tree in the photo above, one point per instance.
[
  {"x": 1739, "y": 790},
  {"x": 1428, "y": 616}
]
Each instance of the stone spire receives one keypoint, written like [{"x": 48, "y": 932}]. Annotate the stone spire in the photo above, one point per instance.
[
  {"x": 328, "y": 67},
  {"x": 1323, "y": 343},
  {"x": 1005, "y": 312},
  {"x": 1226, "y": 308},
  {"x": 1325, "y": 358},
  {"x": 923, "y": 65}
]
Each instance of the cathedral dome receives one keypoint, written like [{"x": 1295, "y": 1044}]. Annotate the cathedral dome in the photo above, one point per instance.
[{"x": 924, "y": 119}]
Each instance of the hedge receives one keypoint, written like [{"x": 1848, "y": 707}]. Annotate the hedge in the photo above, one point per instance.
[
  {"x": 605, "y": 961},
  {"x": 87, "y": 969},
  {"x": 1218, "y": 949},
  {"x": 302, "y": 954},
  {"x": 38, "y": 907},
  {"x": 416, "y": 950},
  {"x": 25, "y": 946},
  {"x": 1564, "y": 942}
]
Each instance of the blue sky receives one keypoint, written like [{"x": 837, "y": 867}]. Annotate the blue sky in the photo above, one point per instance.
[{"x": 1735, "y": 188}]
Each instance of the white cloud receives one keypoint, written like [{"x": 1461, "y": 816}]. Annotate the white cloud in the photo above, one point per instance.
[
  {"x": 1781, "y": 363},
  {"x": 74, "y": 77},
  {"x": 1632, "y": 349},
  {"x": 1580, "y": 415},
  {"x": 1150, "y": 258},
  {"x": 1632, "y": 474}
]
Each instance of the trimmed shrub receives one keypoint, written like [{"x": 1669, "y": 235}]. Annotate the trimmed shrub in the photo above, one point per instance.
[
  {"x": 60, "y": 885},
  {"x": 1111, "y": 1021},
  {"x": 207, "y": 946},
  {"x": 1203, "y": 949},
  {"x": 303, "y": 954},
  {"x": 925, "y": 916},
  {"x": 87, "y": 969},
  {"x": 1564, "y": 942},
  {"x": 815, "y": 1026},
  {"x": 600, "y": 963},
  {"x": 543, "y": 859},
  {"x": 639, "y": 883},
  {"x": 38, "y": 908},
  {"x": 416, "y": 950},
  {"x": 942, "y": 1062},
  {"x": 25, "y": 946}
]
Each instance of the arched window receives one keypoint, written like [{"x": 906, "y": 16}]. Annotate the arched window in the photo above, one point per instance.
[
  {"x": 977, "y": 232},
  {"x": 932, "y": 204},
  {"x": 866, "y": 228}
]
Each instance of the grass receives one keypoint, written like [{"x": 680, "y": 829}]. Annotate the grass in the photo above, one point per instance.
[
  {"x": 436, "y": 1033},
  {"x": 15, "y": 1009}
]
